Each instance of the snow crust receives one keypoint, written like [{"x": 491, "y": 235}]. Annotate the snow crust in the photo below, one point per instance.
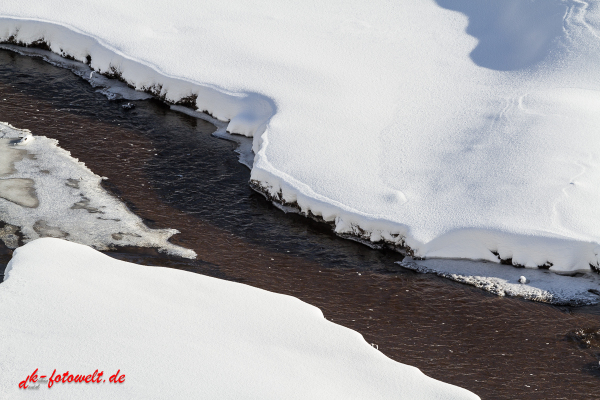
[
  {"x": 458, "y": 128},
  {"x": 46, "y": 192},
  {"x": 178, "y": 335}
]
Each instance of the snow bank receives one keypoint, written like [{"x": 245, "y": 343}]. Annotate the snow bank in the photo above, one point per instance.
[
  {"x": 45, "y": 192},
  {"x": 457, "y": 128},
  {"x": 178, "y": 335}
]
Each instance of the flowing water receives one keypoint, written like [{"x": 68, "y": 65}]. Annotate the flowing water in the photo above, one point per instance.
[{"x": 170, "y": 171}]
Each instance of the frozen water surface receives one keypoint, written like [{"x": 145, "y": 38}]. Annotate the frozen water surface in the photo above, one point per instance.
[
  {"x": 9, "y": 154},
  {"x": 20, "y": 191},
  {"x": 47, "y": 193},
  {"x": 506, "y": 280},
  {"x": 17, "y": 190}
]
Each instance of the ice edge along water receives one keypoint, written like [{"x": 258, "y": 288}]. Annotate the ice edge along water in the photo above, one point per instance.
[
  {"x": 249, "y": 114},
  {"x": 72, "y": 203},
  {"x": 505, "y": 280}
]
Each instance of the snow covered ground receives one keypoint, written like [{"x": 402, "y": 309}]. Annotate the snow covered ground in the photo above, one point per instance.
[
  {"x": 179, "y": 335},
  {"x": 459, "y": 128},
  {"x": 47, "y": 193}
]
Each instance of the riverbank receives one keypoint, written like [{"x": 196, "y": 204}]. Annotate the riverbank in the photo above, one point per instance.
[{"x": 195, "y": 184}]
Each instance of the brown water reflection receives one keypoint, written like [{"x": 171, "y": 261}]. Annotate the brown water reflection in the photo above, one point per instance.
[{"x": 500, "y": 348}]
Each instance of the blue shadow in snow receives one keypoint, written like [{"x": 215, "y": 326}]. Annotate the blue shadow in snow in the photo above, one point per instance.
[{"x": 513, "y": 34}]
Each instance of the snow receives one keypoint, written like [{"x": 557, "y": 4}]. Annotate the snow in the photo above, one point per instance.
[
  {"x": 179, "y": 335},
  {"x": 534, "y": 284},
  {"x": 46, "y": 192},
  {"x": 457, "y": 128}
]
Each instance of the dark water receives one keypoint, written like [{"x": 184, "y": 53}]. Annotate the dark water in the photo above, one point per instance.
[{"x": 170, "y": 171}]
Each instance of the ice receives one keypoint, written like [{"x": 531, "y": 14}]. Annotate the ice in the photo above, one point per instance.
[
  {"x": 8, "y": 156},
  {"x": 42, "y": 228},
  {"x": 506, "y": 280},
  {"x": 8, "y": 235},
  {"x": 19, "y": 191},
  {"x": 453, "y": 128},
  {"x": 24, "y": 140},
  {"x": 51, "y": 194},
  {"x": 180, "y": 335}
]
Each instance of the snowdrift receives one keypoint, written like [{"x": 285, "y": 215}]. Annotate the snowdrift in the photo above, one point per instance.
[{"x": 179, "y": 335}]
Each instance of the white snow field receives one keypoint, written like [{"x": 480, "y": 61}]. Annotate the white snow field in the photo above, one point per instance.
[
  {"x": 459, "y": 128},
  {"x": 47, "y": 193},
  {"x": 179, "y": 335}
]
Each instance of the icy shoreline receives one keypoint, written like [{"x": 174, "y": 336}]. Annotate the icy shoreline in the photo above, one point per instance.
[
  {"x": 581, "y": 289},
  {"x": 249, "y": 113},
  {"x": 45, "y": 192}
]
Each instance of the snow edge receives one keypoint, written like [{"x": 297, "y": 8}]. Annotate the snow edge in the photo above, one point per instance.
[{"x": 248, "y": 114}]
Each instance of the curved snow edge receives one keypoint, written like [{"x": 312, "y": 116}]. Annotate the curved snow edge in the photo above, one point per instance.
[
  {"x": 561, "y": 255},
  {"x": 248, "y": 114},
  {"x": 214, "y": 320}
]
